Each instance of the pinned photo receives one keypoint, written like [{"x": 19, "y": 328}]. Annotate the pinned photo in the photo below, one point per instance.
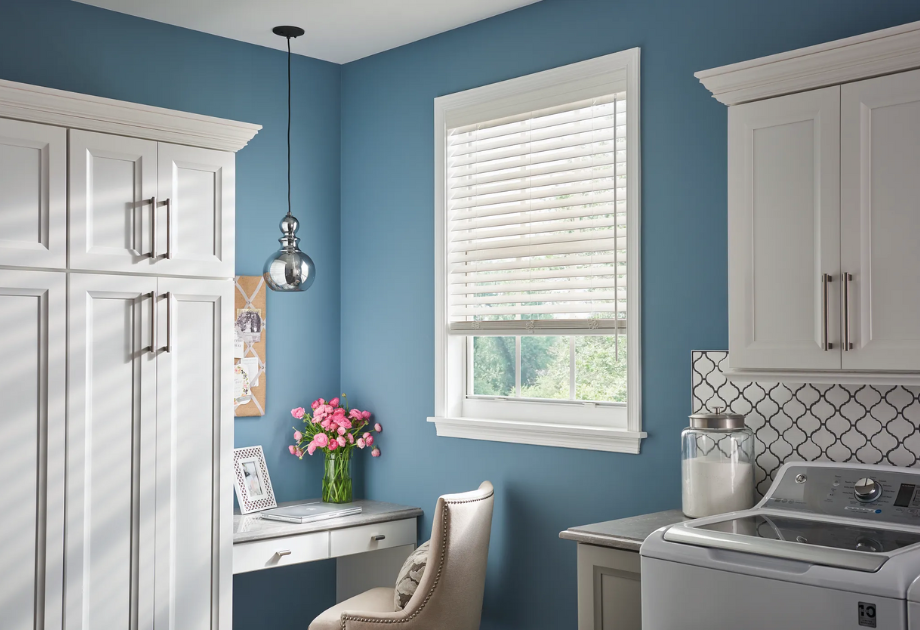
[{"x": 249, "y": 324}]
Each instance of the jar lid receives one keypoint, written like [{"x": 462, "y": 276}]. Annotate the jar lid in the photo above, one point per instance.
[{"x": 716, "y": 420}]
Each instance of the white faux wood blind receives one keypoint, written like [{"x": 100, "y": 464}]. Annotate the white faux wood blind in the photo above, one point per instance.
[{"x": 537, "y": 221}]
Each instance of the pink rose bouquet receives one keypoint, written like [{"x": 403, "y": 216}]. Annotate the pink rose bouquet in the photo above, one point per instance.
[{"x": 337, "y": 430}]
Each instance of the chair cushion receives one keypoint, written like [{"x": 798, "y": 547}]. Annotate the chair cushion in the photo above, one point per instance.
[
  {"x": 376, "y": 600},
  {"x": 410, "y": 575}
]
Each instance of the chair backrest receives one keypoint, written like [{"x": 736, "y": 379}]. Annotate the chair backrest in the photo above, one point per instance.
[{"x": 449, "y": 595}]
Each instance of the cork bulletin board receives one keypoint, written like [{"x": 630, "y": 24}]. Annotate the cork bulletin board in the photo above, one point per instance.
[{"x": 249, "y": 346}]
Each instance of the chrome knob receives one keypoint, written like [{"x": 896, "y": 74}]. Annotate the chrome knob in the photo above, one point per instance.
[{"x": 867, "y": 490}]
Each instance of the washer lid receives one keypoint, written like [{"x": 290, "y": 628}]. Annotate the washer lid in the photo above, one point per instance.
[{"x": 816, "y": 542}]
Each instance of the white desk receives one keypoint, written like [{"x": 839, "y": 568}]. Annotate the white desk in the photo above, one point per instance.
[{"x": 369, "y": 547}]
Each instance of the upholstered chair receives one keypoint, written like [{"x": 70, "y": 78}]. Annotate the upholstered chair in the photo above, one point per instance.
[{"x": 449, "y": 594}]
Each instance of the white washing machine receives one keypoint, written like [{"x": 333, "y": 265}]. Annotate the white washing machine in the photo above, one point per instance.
[{"x": 833, "y": 546}]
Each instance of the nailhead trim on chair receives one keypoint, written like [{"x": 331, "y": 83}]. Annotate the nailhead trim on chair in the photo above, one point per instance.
[{"x": 437, "y": 579}]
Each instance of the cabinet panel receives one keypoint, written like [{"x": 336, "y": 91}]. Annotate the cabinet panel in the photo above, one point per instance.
[
  {"x": 33, "y": 184},
  {"x": 199, "y": 230},
  {"x": 111, "y": 454},
  {"x": 881, "y": 221},
  {"x": 194, "y": 452},
  {"x": 784, "y": 232},
  {"x": 112, "y": 185},
  {"x": 32, "y": 527}
]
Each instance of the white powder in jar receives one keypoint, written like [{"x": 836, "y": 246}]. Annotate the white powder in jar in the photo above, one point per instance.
[{"x": 715, "y": 487}]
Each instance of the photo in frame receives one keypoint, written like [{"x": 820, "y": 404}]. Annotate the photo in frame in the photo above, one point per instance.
[{"x": 250, "y": 478}]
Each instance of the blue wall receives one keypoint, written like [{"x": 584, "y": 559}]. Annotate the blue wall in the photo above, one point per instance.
[
  {"x": 387, "y": 254},
  {"x": 70, "y": 46}
]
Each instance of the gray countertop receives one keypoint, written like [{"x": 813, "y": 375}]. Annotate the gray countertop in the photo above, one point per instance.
[
  {"x": 624, "y": 533},
  {"x": 249, "y": 527}
]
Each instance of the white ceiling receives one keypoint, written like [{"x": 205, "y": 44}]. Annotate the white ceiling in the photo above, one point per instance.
[{"x": 337, "y": 30}]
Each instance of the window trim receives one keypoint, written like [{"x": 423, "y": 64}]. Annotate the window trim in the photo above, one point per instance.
[{"x": 619, "y": 430}]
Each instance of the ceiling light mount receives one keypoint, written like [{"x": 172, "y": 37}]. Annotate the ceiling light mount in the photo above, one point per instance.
[{"x": 288, "y": 31}]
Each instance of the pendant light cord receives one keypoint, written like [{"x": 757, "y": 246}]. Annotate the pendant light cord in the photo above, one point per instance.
[{"x": 289, "y": 126}]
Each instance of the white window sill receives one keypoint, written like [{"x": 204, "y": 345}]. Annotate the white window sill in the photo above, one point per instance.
[{"x": 542, "y": 434}]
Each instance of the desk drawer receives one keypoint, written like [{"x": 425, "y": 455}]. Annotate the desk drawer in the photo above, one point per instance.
[
  {"x": 268, "y": 554},
  {"x": 351, "y": 540}
]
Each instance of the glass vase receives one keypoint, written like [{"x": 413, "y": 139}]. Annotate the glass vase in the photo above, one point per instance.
[{"x": 337, "y": 477}]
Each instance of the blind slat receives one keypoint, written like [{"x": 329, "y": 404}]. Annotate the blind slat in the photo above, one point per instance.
[
  {"x": 530, "y": 263},
  {"x": 534, "y": 217},
  {"x": 607, "y": 136},
  {"x": 547, "y": 192},
  {"x": 545, "y": 249},
  {"x": 460, "y": 280},
  {"x": 544, "y": 298},
  {"x": 589, "y": 161},
  {"x": 585, "y": 308},
  {"x": 599, "y": 282},
  {"x": 529, "y": 205},
  {"x": 536, "y": 183},
  {"x": 541, "y": 227}
]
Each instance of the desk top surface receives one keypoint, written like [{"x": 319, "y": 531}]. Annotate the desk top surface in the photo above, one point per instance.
[
  {"x": 249, "y": 527},
  {"x": 624, "y": 533}
]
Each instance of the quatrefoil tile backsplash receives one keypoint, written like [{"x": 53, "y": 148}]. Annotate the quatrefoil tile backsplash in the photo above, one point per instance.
[{"x": 870, "y": 424}]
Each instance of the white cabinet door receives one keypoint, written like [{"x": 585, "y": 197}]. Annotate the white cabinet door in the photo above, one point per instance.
[
  {"x": 880, "y": 122},
  {"x": 113, "y": 183},
  {"x": 111, "y": 453},
  {"x": 784, "y": 232},
  {"x": 33, "y": 304},
  {"x": 33, "y": 204},
  {"x": 197, "y": 186},
  {"x": 194, "y": 456}
]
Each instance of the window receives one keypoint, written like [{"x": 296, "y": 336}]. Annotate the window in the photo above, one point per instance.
[{"x": 537, "y": 258}]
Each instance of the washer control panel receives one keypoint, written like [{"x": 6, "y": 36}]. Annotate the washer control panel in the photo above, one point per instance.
[{"x": 872, "y": 494}]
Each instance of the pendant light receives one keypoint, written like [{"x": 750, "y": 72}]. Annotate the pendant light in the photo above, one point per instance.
[{"x": 289, "y": 269}]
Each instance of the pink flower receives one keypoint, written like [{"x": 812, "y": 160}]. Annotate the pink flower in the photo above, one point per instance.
[
  {"x": 366, "y": 414},
  {"x": 334, "y": 402},
  {"x": 360, "y": 443},
  {"x": 369, "y": 439},
  {"x": 341, "y": 431},
  {"x": 343, "y": 422},
  {"x": 292, "y": 448},
  {"x": 298, "y": 452},
  {"x": 378, "y": 428},
  {"x": 366, "y": 435},
  {"x": 339, "y": 412},
  {"x": 342, "y": 441},
  {"x": 327, "y": 424},
  {"x": 316, "y": 403},
  {"x": 298, "y": 435},
  {"x": 376, "y": 452},
  {"x": 298, "y": 413},
  {"x": 321, "y": 440},
  {"x": 333, "y": 445},
  {"x": 351, "y": 438},
  {"x": 355, "y": 414},
  {"x": 328, "y": 408},
  {"x": 311, "y": 448}
]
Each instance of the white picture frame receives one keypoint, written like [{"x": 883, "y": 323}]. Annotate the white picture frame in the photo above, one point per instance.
[{"x": 251, "y": 481}]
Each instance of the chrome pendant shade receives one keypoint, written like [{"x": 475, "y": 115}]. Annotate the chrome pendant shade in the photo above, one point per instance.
[{"x": 289, "y": 269}]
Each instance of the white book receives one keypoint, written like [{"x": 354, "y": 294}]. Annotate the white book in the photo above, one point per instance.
[{"x": 310, "y": 512}]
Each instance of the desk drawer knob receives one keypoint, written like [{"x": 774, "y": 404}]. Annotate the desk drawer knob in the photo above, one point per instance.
[
  {"x": 283, "y": 552},
  {"x": 378, "y": 537}
]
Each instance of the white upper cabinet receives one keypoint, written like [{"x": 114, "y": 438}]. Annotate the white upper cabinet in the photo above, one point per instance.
[
  {"x": 33, "y": 202},
  {"x": 113, "y": 187},
  {"x": 197, "y": 235},
  {"x": 139, "y": 206},
  {"x": 33, "y": 304},
  {"x": 194, "y": 417},
  {"x": 880, "y": 247},
  {"x": 784, "y": 232}
]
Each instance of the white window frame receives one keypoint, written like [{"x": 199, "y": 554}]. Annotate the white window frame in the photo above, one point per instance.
[{"x": 605, "y": 427}]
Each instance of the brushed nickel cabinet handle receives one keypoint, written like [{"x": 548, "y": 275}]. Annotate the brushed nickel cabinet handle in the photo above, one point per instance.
[
  {"x": 825, "y": 281},
  {"x": 153, "y": 321},
  {"x": 847, "y": 344},
  {"x": 378, "y": 537},
  {"x": 283, "y": 552},
  {"x": 169, "y": 322},
  {"x": 153, "y": 226},
  {"x": 169, "y": 229}
]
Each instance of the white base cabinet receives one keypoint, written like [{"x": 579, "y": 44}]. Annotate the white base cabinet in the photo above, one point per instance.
[{"x": 609, "y": 589}]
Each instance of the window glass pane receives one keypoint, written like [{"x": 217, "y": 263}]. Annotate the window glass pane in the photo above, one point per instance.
[
  {"x": 493, "y": 366},
  {"x": 599, "y": 375},
  {"x": 545, "y": 367}
]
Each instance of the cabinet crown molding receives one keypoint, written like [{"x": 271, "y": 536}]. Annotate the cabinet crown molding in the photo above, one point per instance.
[
  {"x": 93, "y": 113},
  {"x": 874, "y": 54}
]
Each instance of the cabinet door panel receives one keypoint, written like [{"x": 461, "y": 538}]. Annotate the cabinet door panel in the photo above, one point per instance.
[
  {"x": 31, "y": 458},
  {"x": 194, "y": 451},
  {"x": 112, "y": 180},
  {"x": 881, "y": 221},
  {"x": 783, "y": 231},
  {"x": 111, "y": 453},
  {"x": 199, "y": 184},
  {"x": 33, "y": 181}
]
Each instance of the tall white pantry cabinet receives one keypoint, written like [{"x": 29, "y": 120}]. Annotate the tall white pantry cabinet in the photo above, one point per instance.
[{"x": 116, "y": 265}]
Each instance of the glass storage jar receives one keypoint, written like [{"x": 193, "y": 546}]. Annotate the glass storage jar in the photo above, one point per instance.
[{"x": 717, "y": 464}]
